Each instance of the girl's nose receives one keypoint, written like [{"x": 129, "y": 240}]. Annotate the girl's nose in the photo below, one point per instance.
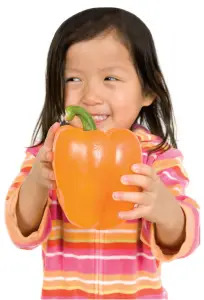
[
  {"x": 91, "y": 100},
  {"x": 92, "y": 95}
]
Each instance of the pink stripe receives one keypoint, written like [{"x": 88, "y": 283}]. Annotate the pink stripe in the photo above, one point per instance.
[
  {"x": 144, "y": 157},
  {"x": 88, "y": 266},
  {"x": 171, "y": 153},
  {"x": 170, "y": 181},
  {"x": 34, "y": 150},
  {"x": 57, "y": 213},
  {"x": 139, "y": 126},
  {"x": 196, "y": 241},
  {"x": 89, "y": 251},
  {"x": 164, "y": 296},
  {"x": 148, "y": 159},
  {"x": 146, "y": 225}
]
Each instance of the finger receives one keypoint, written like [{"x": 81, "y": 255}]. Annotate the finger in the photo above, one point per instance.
[
  {"x": 48, "y": 173},
  {"x": 142, "y": 181},
  {"x": 52, "y": 185},
  {"x": 144, "y": 169},
  {"x": 133, "y": 197},
  {"x": 49, "y": 184},
  {"x": 47, "y": 157},
  {"x": 50, "y": 137},
  {"x": 133, "y": 214}
]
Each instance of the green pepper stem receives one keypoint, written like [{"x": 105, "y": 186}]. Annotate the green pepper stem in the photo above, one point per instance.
[{"x": 86, "y": 119}]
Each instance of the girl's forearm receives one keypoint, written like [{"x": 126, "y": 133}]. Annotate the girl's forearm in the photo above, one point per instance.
[
  {"x": 30, "y": 206},
  {"x": 171, "y": 235}
]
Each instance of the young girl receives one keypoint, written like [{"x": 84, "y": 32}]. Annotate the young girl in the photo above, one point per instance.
[{"x": 104, "y": 60}]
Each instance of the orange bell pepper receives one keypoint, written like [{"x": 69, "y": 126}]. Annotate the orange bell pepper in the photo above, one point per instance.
[{"x": 88, "y": 164}]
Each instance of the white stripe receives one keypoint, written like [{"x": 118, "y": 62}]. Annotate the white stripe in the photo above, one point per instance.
[
  {"x": 177, "y": 188},
  {"x": 29, "y": 247},
  {"x": 54, "y": 202},
  {"x": 168, "y": 175},
  {"x": 179, "y": 158},
  {"x": 152, "y": 155},
  {"x": 152, "y": 142},
  {"x": 97, "y": 231},
  {"x": 111, "y": 257},
  {"x": 149, "y": 137},
  {"x": 29, "y": 156},
  {"x": 128, "y": 282}
]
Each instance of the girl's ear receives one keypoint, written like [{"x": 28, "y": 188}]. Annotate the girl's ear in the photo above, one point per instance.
[{"x": 149, "y": 98}]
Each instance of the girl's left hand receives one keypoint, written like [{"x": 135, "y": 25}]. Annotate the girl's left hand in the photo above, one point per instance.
[{"x": 155, "y": 203}]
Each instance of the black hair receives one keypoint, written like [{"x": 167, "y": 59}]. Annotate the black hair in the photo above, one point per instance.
[{"x": 85, "y": 25}]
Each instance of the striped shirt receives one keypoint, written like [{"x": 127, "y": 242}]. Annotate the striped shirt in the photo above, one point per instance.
[{"x": 119, "y": 263}]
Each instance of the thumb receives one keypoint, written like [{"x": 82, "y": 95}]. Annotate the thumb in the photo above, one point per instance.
[{"x": 50, "y": 136}]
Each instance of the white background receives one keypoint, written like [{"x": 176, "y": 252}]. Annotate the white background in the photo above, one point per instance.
[{"x": 26, "y": 30}]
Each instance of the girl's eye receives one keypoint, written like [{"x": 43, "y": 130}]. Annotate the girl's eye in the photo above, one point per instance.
[
  {"x": 71, "y": 79},
  {"x": 111, "y": 77}
]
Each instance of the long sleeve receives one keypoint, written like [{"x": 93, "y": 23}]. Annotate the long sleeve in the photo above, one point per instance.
[
  {"x": 171, "y": 171},
  {"x": 37, "y": 237}
]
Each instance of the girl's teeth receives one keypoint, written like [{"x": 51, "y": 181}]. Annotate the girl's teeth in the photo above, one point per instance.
[{"x": 99, "y": 118}]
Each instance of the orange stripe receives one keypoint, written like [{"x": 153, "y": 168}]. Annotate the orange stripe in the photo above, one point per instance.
[
  {"x": 86, "y": 245},
  {"x": 112, "y": 296},
  {"x": 75, "y": 236},
  {"x": 105, "y": 277},
  {"x": 107, "y": 289}
]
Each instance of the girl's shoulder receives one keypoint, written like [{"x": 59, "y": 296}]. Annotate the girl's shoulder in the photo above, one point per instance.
[
  {"x": 149, "y": 141},
  {"x": 144, "y": 135},
  {"x": 34, "y": 149}
]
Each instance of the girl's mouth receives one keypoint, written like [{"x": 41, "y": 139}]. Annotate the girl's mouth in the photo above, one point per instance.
[{"x": 98, "y": 119}]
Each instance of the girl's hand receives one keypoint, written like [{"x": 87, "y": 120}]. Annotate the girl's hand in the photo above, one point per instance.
[
  {"x": 42, "y": 171},
  {"x": 155, "y": 203}
]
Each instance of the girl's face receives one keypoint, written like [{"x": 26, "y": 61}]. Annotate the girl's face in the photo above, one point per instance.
[{"x": 101, "y": 78}]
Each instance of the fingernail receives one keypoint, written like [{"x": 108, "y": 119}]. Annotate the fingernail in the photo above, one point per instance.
[
  {"x": 120, "y": 215},
  {"x": 135, "y": 168},
  {"x": 124, "y": 179},
  {"x": 115, "y": 195}
]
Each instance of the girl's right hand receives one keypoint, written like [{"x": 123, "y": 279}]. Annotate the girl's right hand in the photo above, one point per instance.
[{"x": 42, "y": 172}]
